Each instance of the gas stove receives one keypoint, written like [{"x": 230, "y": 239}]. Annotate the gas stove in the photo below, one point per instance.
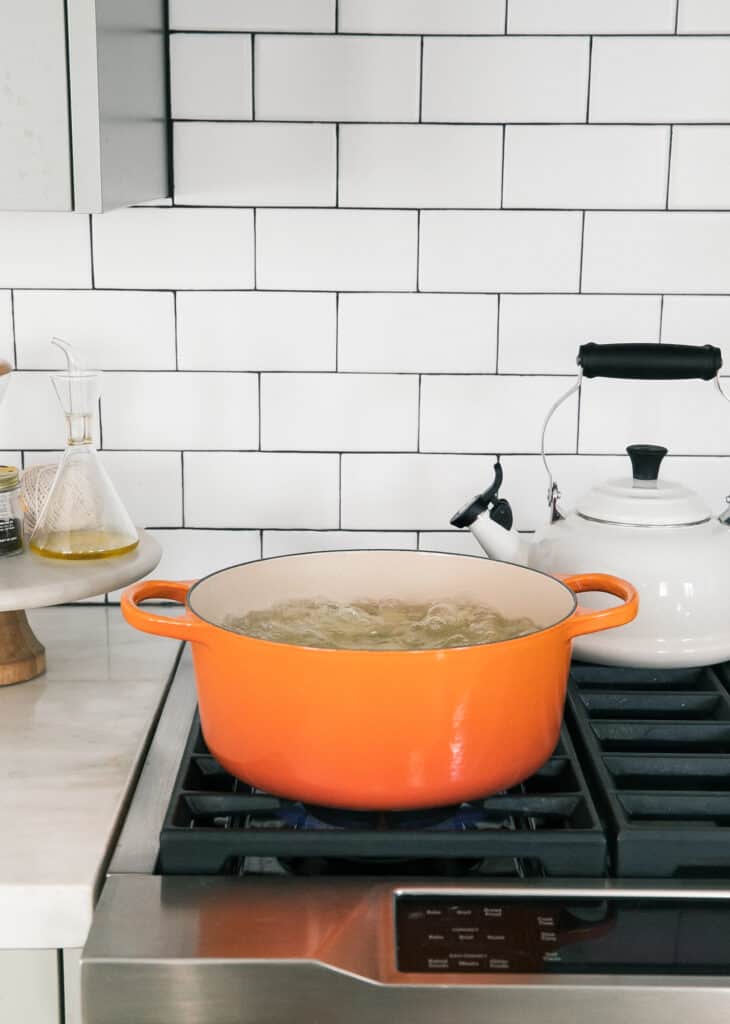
[{"x": 595, "y": 886}]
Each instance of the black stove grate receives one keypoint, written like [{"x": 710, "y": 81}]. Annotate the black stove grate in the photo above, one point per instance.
[
  {"x": 215, "y": 823},
  {"x": 658, "y": 746}
]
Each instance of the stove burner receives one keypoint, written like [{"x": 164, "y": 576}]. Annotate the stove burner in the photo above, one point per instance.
[
  {"x": 455, "y": 818},
  {"x": 548, "y": 825}
]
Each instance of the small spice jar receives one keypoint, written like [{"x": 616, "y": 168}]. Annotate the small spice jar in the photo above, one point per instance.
[{"x": 11, "y": 518}]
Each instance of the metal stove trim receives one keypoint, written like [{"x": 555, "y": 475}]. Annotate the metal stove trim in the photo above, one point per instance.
[{"x": 137, "y": 847}]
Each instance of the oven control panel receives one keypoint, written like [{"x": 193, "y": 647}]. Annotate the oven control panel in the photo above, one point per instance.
[{"x": 475, "y": 934}]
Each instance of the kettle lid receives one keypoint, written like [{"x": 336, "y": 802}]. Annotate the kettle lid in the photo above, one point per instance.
[{"x": 643, "y": 499}]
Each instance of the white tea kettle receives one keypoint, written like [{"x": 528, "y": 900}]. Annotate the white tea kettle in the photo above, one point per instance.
[{"x": 659, "y": 535}]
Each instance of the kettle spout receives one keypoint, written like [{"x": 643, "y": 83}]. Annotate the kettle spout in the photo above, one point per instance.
[
  {"x": 489, "y": 518},
  {"x": 504, "y": 545}
]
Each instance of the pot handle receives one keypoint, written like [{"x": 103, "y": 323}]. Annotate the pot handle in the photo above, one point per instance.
[
  {"x": 583, "y": 620},
  {"x": 183, "y": 628}
]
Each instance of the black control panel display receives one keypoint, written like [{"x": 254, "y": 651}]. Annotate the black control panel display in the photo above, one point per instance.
[{"x": 474, "y": 934}]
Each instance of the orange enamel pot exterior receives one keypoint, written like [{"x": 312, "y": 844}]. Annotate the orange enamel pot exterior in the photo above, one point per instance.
[{"x": 380, "y": 730}]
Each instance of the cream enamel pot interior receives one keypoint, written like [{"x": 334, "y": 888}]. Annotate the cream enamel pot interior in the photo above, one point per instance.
[
  {"x": 659, "y": 534},
  {"x": 380, "y": 730}
]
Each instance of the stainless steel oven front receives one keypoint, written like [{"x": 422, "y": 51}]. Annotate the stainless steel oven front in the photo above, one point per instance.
[{"x": 177, "y": 949}]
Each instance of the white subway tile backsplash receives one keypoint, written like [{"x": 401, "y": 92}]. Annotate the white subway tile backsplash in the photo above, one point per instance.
[
  {"x": 6, "y": 328},
  {"x": 500, "y": 250},
  {"x": 255, "y": 164},
  {"x": 505, "y": 79},
  {"x": 118, "y": 330},
  {"x": 180, "y": 410},
  {"x": 210, "y": 76},
  {"x": 542, "y": 333},
  {"x": 254, "y": 15},
  {"x": 578, "y": 166},
  {"x": 192, "y": 554},
  {"x": 591, "y": 17},
  {"x": 295, "y": 542},
  {"x": 349, "y": 245},
  {"x": 283, "y": 490},
  {"x": 703, "y": 16},
  {"x": 337, "y": 78},
  {"x": 495, "y": 414},
  {"x": 30, "y": 416},
  {"x": 660, "y": 80},
  {"x": 451, "y": 542},
  {"x": 339, "y": 412},
  {"x": 420, "y": 165},
  {"x": 697, "y": 320},
  {"x": 689, "y": 417},
  {"x": 174, "y": 248},
  {"x": 418, "y": 333},
  {"x": 700, "y": 175},
  {"x": 149, "y": 484},
  {"x": 656, "y": 252},
  {"x": 426, "y": 16},
  {"x": 408, "y": 492},
  {"x": 256, "y": 331},
  {"x": 44, "y": 250},
  {"x": 345, "y": 250}
]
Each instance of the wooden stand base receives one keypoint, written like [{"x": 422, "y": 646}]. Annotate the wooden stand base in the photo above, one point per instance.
[{"x": 22, "y": 655}]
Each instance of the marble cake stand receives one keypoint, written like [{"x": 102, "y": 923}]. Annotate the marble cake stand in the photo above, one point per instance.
[{"x": 29, "y": 581}]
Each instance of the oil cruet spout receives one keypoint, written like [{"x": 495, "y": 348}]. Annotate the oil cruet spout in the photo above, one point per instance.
[
  {"x": 83, "y": 516},
  {"x": 78, "y": 392}
]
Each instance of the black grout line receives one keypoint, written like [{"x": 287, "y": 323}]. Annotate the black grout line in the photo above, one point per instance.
[
  {"x": 506, "y": 15},
  {"x": 676, "y": 16},
  {"x": 337, "y": 16},
  {"x": 501, "y": 180},
  {"x": 337, "y": 332},
  {"x": 337, "y": 165},
  {"x": 659, "y": 36},
  {"x": 498, "y": 332},
  {"x": 590, "y": 74},
  {"x": 339, "y": 493},
  {"x": 328, "y": 208},
  {"x": 258, "y": 375},
  {"x": 253, "y": 77},
  {"x": 174, "y": 323},
  {"x": 420, "y": 84},
  {"x": 13, "y": 329},
  {"x": 661, "y": 317},
  {"x": 315, "y": 121},
  {"x": 418, "y": 251},
  {"x": 458, "y": 454},
  {"x": 418, "y": 418},
  {"x": 182, "y": 488},
  {"x": 669, "y": 165},
  {"x": 582, "y": 240},
  {"x": 255, "y": 252}
]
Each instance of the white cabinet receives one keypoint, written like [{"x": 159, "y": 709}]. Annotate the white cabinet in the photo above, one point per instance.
[
  {"x": 83, "y": 104},
  {"x": 29, "y": 986}
]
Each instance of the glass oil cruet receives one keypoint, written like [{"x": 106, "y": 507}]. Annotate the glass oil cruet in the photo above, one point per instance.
[{"x": 83, "y": 516}]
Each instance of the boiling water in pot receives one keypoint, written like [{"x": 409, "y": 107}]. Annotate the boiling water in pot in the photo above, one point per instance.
[{"x": 379, "y": 625}]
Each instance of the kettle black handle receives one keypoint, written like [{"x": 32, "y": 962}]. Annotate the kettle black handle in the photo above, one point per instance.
[{"x": 650, "y": 361}]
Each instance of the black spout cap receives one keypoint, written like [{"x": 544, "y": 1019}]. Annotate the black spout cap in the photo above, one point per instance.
[
  {"x": 499, "y": 508},
  {"x": 646, "y": 460}
]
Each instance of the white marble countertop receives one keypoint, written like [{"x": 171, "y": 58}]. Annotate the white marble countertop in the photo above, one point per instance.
[{"x": 70, "y": 745}]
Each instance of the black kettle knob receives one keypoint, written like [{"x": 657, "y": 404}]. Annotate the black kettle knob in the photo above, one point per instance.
[{"x": 646, "y": 460}]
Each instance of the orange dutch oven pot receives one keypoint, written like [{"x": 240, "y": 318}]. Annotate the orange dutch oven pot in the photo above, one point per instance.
[{"x": 380, "y": 730}]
